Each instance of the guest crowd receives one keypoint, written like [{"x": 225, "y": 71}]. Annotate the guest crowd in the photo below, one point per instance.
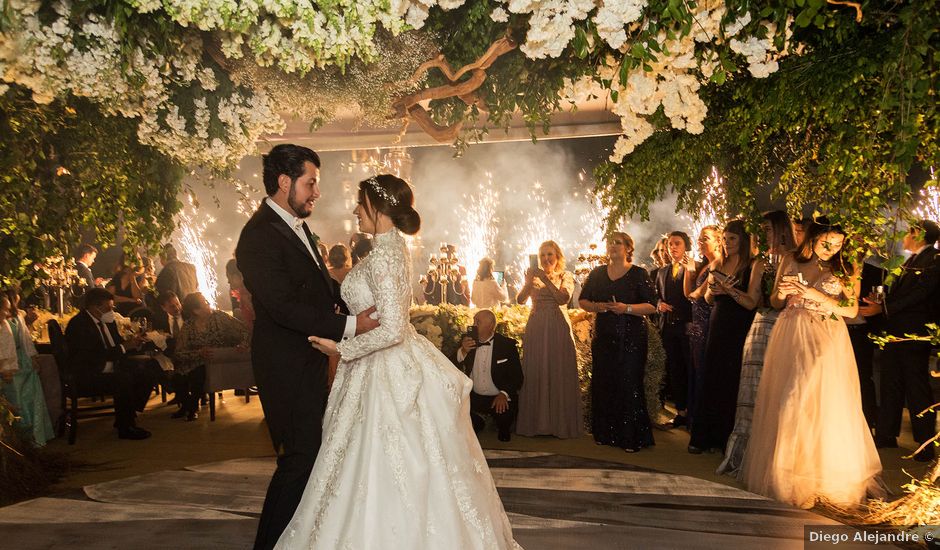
[
  {"x": 768, "y": 354},
  {"x": 766, "y": 338}
]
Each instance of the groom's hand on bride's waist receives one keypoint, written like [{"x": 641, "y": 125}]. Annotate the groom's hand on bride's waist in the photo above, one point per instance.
[{"x": 365, "y": 322}]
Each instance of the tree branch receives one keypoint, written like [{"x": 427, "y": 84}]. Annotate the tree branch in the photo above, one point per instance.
[
  {"x": 408, "y": 107},
  {"x": 856, "y": 5}
]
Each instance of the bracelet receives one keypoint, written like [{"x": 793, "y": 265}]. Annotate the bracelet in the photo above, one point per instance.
[{"x": 629, "y": 308}]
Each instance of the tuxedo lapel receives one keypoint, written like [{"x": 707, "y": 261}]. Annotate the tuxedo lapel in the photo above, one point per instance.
[
  {"x": 281, "y": 227},
  {"x": 911, "y": 268},
  {"x": 468, "y": 361},
  {"x": 316, "y": 252},
  {"x": 494, "y": 342}
]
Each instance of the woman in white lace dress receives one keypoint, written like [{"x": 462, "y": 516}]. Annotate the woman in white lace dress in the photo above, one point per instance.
[{"x": 399, "y": 466}]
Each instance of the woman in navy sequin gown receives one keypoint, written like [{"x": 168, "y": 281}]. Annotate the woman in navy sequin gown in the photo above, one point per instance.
[
  {"x": 734, "y": 289},
  {"x": 709, "y": 247},
  {"x": 621, "y": 294}
]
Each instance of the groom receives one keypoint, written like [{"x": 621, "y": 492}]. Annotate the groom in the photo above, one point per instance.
[{"x": 293, "y": 297}]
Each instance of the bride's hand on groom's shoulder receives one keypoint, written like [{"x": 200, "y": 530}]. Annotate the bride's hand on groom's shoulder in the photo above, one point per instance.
[
  {"x": 324, "y": 345},
  {"x": 365, "y": 321}
]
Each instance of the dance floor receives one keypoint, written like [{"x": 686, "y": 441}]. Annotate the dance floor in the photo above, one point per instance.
[{"x": 554, "y": 502}]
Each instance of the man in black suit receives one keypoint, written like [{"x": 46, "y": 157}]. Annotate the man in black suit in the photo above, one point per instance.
[
  {"x": 492, "y": 362},
  {"x": 84, "y": 259},
  {"x": 911, "y": 303},
  {"x": 675, "y": 315},
  {"x": 168, "y": 316},
  {"x": 859, "y": 328},
  {"x": 98, "y": 359},
  {"x": 294, "y": 298},
  {"x": 176, "y": 276}
]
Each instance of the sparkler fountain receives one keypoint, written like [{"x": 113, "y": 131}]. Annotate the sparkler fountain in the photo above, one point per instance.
[
  {"x": 196, "y": 249},
  {"x": 929, "y": 206},
  {"x": 712, "y": 206},
  {"x": 477, "y": 238}
]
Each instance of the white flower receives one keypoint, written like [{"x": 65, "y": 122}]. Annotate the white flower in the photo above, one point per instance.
[
  {"x": 499, "y": 15},
  {"x": 614, "y": 16},
  {"x": 737, "y": 25}
]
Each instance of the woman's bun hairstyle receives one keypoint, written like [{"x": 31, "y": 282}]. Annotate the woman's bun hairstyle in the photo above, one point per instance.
[{"x": 393, "y": 197}]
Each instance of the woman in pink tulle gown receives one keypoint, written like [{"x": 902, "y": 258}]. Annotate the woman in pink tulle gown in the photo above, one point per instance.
[{"x": 809, "y": 439}]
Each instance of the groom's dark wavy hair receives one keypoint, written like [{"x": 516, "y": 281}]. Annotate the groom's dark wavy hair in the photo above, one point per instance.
[{"x": 286, "y": 159}]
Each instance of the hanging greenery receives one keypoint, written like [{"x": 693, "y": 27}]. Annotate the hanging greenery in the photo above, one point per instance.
[
  {"x": 825, "y": 103},
  {"x": 64, "y": 169},
  {"x": 837, "y": 129}
]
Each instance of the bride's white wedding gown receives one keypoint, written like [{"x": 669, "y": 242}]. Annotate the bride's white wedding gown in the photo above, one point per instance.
[{"x": 399, "y": 466}]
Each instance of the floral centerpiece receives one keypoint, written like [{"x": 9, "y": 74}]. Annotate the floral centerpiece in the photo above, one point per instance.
[{"x": 57, "y": 272}]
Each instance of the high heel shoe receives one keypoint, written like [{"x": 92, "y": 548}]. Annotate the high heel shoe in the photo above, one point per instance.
[{"x": 191, "y": 415}]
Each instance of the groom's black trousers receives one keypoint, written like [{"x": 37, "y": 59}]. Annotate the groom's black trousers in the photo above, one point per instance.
[{"x": 293, "y": 407}]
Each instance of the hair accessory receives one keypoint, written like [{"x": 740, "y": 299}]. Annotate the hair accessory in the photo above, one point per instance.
[{"x": 381, "y": 191}]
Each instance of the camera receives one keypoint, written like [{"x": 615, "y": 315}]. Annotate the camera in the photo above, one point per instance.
[{"x": 473, "y": 332}]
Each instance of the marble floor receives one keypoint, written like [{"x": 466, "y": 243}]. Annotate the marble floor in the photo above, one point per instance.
[{"x": 554, "y": 502}]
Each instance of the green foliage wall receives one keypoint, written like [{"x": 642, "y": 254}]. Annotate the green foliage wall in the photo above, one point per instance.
[{"x": 65, "y": 168}]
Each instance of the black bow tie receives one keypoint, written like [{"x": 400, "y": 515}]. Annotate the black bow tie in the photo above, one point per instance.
[{"x": 481, "y": 344}]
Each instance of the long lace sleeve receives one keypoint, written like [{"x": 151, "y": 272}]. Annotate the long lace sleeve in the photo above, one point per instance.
[{"x": 388, "y": 277}]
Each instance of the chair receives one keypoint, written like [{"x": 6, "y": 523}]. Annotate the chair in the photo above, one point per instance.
[
  {"x": 71, "y": 412},
  {"x": 229, "y": 368}
]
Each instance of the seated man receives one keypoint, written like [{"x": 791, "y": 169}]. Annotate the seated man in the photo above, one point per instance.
[
  {"x": 169, "y": 317},
  {"x": 98, "y": 359},
  {"x": 492, "y": 362}
]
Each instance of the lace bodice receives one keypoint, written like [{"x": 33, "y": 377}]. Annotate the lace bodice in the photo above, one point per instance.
[
  {"x": 819, "y": 277},
  {"x": 381, "y": 279}
]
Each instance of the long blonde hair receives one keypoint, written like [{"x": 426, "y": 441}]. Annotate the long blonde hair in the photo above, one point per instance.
[{"x": 560, "y": 265}]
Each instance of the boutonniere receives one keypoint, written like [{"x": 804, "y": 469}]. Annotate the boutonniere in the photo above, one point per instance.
[{"x": 315, "y": 238}]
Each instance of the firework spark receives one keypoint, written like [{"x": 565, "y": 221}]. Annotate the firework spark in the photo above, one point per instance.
[
  {"x": 196, "y": 249},
  {"x": 478, "y": 230},
  {"x": 928, "y": 208},
  {"x": 712, "y": 208}
]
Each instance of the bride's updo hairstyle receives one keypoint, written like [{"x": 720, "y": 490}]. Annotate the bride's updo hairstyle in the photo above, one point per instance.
[{"x": 391, "y": 196}]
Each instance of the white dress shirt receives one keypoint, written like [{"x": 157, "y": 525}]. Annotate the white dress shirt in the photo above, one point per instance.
[
  {"x": 176, "y": 323},
  {"x": 297, "y": 226},
  {"x": 481, "y": 374},
  {"x": 106, "y": 339}
]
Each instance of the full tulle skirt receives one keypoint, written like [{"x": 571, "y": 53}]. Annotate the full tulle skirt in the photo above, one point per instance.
[{"x": 809, "y": 439}]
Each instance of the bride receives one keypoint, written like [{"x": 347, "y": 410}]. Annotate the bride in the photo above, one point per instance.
[{"x": 400, "y": 465}]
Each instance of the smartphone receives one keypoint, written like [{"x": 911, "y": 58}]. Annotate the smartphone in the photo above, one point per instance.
[
  {"x": 794, "y": 278},
  {"x": 533, "y": 261},
  {"x": 473, "y": 332},
  {"x": 719, "y": 276},
  {"x": 500, "y": 277}
]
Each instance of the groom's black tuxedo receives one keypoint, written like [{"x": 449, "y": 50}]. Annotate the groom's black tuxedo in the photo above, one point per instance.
[{"x": 293, "y": 298}]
